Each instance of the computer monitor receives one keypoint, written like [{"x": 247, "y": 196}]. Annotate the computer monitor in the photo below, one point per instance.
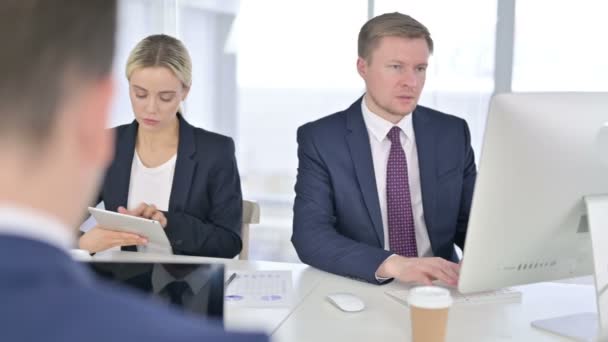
[
  {"x": 544, "y": 156},
  {"x": 193, "y": 287}
]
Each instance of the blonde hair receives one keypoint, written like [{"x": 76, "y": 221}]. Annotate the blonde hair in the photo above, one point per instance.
[
  {"x": 390, "y": 25},
  {"x": 164, "y": 51}
]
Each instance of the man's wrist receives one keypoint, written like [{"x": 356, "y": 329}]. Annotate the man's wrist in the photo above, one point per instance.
[{"x": 383, "y": 272}]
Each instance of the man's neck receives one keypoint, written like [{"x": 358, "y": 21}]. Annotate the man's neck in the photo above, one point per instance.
[
  {"x": 376, "y": 110},
  {"x": 22, "y": 221},
  {"x": 37, "y": 200},
  {"x": 29, "y": 184}
]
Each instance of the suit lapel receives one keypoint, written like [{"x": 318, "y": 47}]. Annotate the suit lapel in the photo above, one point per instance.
[
  {"x": 358, "y": 143},
  {"x": 123, "y": 161},
  {"x": 184, "y": 166},
  {"x": 425, "y": 145}
]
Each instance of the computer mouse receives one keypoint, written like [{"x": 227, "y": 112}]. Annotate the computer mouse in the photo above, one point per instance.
[{"x": 346, "y": 302}]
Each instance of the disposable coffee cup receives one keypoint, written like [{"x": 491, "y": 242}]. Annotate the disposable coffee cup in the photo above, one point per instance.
[{"x": 429, "y": 306}]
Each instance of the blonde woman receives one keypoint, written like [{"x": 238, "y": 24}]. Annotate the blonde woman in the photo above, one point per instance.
[{"x": 164, "y": 168}]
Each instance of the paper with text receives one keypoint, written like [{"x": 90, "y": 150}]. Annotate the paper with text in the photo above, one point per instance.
[{"x": 259, "y": 289}]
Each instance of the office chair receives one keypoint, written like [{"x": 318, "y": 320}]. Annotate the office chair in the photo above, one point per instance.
[{"x": 251, "y": 215}]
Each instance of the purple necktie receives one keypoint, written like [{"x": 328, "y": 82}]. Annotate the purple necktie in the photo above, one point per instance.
[{"x": 401, "y": 234}]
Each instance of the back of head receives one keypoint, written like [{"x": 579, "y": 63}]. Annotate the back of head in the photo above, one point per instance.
[
  {"x": 390, "y": 25},
  {"x": 55, "y": 92},
  {"x": 49, "y": 47}
]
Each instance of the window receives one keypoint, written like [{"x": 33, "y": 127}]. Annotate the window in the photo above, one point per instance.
[
  {"x": 136, "y": 20},
  {"x": 295, "y": 64},
  {"x": 564, "y": 50}
]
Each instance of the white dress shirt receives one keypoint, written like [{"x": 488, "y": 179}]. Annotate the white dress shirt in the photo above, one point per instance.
[
  {"x": 35, "y": 225},
  {"x": 378, "y": 129}
]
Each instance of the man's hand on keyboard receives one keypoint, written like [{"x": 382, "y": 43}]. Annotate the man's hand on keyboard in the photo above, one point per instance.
[
  {"x": 419, "y": 270},
  {"x": 444, "y": 285}
]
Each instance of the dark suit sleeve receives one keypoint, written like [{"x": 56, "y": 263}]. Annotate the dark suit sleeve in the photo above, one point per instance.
[
  {"x": 219, "y": 235},
  {"x": 315, "y": 237},
  {"x": 468, "y": 184}
]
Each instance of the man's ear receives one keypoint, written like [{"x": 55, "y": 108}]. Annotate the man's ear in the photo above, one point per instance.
[
  {"x": 95, "y": 139},
  {"x": 362, "y": 67}
]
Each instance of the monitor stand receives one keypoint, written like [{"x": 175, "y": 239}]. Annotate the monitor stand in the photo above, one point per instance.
[{"x": 589, "y": 326}]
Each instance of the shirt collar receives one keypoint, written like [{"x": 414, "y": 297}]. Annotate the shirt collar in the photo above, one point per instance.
[
  {"x": 380, "y": 127},
  {"x": 35, "y": 225}
]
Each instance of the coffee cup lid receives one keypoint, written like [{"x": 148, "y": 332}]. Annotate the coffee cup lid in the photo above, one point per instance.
[{"x": 429, "y": 297}]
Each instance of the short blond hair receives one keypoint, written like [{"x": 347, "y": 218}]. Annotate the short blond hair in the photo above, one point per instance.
[
  {"x": 390, "y": 25},
  {"x": 161, "y": 50}
]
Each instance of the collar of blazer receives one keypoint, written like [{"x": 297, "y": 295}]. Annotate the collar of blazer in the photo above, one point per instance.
[{"x": 184, "y": 166}]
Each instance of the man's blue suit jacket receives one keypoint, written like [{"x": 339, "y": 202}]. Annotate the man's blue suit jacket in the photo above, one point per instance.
[
  {"x": 205, "y": 206},
  {"x": 337, "y": 225},
  {"x": 48, "y": 297}
]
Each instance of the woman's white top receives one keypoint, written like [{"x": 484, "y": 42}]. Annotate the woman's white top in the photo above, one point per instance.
[{"x": 151, "y": 185}]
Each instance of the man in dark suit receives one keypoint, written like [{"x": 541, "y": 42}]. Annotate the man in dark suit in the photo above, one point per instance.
[
  {"x": 55, "y": 94},
  {"x": 384, "y": 187}
]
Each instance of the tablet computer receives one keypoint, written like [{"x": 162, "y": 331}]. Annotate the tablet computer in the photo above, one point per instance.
[{"x": 150, "y": 229}]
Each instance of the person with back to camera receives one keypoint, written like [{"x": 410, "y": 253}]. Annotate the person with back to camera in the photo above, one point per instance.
[
  {"x": 55, "y": 93},
  {"x": 166, "y": 169}
]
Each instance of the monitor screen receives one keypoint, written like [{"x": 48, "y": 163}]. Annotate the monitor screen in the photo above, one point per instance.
[
  {"x": 197, "y": 288},
  {"x": 543, "y": 154}
]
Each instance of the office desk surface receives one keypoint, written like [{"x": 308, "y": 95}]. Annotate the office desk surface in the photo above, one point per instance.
[{"x": 312, "y": 318}]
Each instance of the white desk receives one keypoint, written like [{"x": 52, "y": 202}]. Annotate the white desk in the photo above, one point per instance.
[{"x": 312, "y": 318}]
